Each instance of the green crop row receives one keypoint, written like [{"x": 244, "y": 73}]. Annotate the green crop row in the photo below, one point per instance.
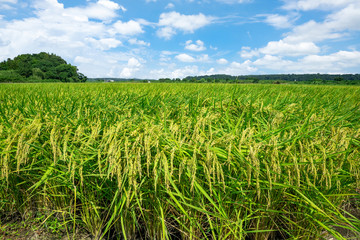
[{"x": 183, "y": 161}]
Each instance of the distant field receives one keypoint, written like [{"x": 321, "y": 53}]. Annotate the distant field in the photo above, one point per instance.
[{"x": 183, "y": 161}]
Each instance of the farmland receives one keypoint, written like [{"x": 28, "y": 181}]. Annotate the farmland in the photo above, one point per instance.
[{"x": 183, "y": 161}]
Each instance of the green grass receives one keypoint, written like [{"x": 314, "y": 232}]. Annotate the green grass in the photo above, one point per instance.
[{"x": 189, "y": 161}]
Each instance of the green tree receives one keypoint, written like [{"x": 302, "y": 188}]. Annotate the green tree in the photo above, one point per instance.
[
  {"x": 82, "y": 77},
  {"x": 338, "y": 79},
  {"x": 23, "y": 65},
  {"x": 10, "y": 76},
  {"x": 36, "y": 72},
  {"x": 42, "y": 66},
  {"x": 67, "y": 73}
]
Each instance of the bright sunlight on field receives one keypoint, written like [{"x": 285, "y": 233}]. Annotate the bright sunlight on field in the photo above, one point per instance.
[{"x": 183, "y": 161}]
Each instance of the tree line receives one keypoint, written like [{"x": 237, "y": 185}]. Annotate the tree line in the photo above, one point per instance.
[
  {"x": 272, "y": 78},
  {"x": 41, "y": 67}
]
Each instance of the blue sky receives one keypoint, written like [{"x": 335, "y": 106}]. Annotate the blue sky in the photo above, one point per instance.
[{"x": 175, "y": 39}]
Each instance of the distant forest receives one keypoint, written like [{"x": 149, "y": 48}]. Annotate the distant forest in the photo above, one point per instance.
[
  {"x": 349, "y": 79},
  {"x": 344, "y": 79},
  {"x": 42, "y": 67},
  {"x": 273, "y": 78}
]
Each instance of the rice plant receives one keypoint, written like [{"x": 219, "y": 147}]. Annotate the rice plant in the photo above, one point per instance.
[{"x": 183, "y": 161}]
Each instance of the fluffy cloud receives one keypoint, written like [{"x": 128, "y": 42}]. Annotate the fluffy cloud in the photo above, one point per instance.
[
  {"x": 186, "y": 23},
  {"x": 282, "y": 48},
  {"x": 172, "y": 21},
  {"x": 126, "y": 72},
  {"x": 346, "y": 19},
  {"x": 335, "y": 26},
  {"x": 166, "y": 32},
  {"x": 99, "y": 64},
  {"x": 186, "y": 71},
  {"x": 197, "y": 46},
  {"x": 165, "y": 57},
  {"x": 175, "y": 73},
  {"x": 274, "y": 63},
  {"x": 233, "y": 1},
  {"x": 304, "y": 39},
  {"x": 79, "y": 34},
  {"x": 135, "y": 41},
  {"x": 110, "y": 5},
  {"x": 222, "y": 61},
  {"x": 7, "y": 4},
  {"x": 289, "y": 49},
  {"x": 105, "y": 43},
  {"x": 312, "y": 31},
  {"x": 247, "y": 52},
  {"x": 203, "y": 58},
  {"x": 182, "y": 72},
  {"x": 81, "y": 60},
  {"x": 133, "y": 62},
  {"x": 101, "y": 10},
  {"x": 333, "y": 63},
  {"x": 306, "y": 5},
  {"x": 237, "y": 68},
  {"x": 185, "y": 58},
  {"x": 127, "y": 28},
  {"x": 132, "y": 67}
]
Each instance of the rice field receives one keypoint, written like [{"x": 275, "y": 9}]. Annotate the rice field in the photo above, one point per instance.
[{"x": 183, "y": 161}]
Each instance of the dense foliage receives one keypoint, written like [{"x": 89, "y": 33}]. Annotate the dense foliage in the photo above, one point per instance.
[
  {"x": 183, "y": 161},
  {"x": 39, "y": 68},
  {"x": 268, "y": 78},
  {"x": 317, "y": 79}
]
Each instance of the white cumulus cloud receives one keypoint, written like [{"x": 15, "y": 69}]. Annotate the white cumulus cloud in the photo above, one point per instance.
[
  {"x": 80, "y": 59},
  {"x": 133, "y": 66},
  {"x": 335, "y": 62},
  {"x": 104, "y": 43},
  {"x": 102, "y": 9},
  {"x": 289, "y": 49},
  {"x": 135, "y": 41},
  {"x": 127, "y": 28},
  {"x": 172, "y": 21},
  {"x": 335, "y": 26},
  {"x": 306, "y": 5},
  {"x": 237, "y": 68},
  {"x": 183, "y": 57},
  {"x": 83, "y": 35},
  {"x": 222, "y": 61},
  {"x": 126, "y": 72},
  {"x": 111, "y": 5},
  {"x": 133, "y": 62},
  {"x": 233, "y": 1},
  {"x": 176, "y": 72},
  {"x": 166, "y": 32},
  {"x": 185, "y": 71},
  {"x": 197, "y": 46}
]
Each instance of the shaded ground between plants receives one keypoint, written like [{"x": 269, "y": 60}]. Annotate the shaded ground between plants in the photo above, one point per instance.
[
  {"x": 12, "y": 227},
  {"x": 15, "y": 227}
]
